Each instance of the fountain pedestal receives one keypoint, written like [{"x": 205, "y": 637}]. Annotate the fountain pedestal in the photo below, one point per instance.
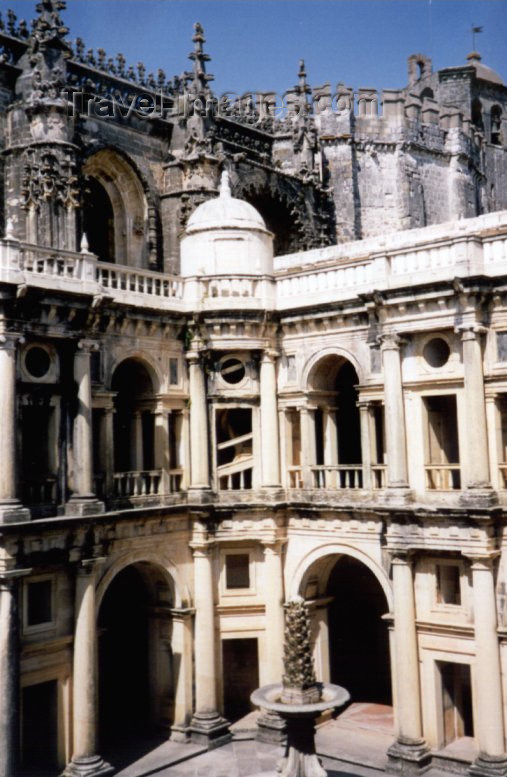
[{"x": 300, "y": 759}]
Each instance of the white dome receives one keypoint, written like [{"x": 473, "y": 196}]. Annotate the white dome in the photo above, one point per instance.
[
  {"x": 225, "y": 211},
  {"x": 226, "y": 236}
]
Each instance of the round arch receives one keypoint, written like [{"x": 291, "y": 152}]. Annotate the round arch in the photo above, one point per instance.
[
  {"x": 164, "y": 565},
  {"x": 337, "y": 549},
  {"x": 134, "y": 214},
  {"x": 153, "y": 369},
  {"x": 313, "y": 362}
]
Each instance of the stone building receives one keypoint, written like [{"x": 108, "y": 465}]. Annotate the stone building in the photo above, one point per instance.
[{"x": 215, "y": 396}]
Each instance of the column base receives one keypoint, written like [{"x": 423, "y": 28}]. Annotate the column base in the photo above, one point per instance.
[
  {"x": 478, "y": 497},
  {"x": 271, "y": 728},
  {"x": 396, "y": 495},
  {"x": 12, "y": 511},
  {"x": 88, "y": 766},
  {"x": 489, "y": 766},
  {"x": 408, "y": 756},
  {"x": 201, "y": 495},
  {"x": 209, "y": 729},
  {"x": 84, "y": 505},
  {"x": 179, "y": 734}
]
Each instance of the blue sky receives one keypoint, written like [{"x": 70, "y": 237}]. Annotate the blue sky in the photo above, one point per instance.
[{"x": 256, "y": 44}]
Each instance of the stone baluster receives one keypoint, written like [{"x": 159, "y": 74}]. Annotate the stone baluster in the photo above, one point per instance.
[
  {"x": 85, "y": 760},
  {"x": 207, "y": 726},
  {"x": 270, "y": 445},
  {"x": 199, "y": 435},
  {"x": 410, "y": 750},
  {"x": 83, "y": 500},
  {"x": 489, "y": 722}
]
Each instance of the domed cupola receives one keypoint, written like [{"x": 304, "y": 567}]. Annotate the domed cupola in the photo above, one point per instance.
[{"x": 226, "y": 236}]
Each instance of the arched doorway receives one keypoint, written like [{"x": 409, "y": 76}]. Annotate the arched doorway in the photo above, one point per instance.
[
  {"x": 136, "y": 686},
  {"x": 98, "y": 221},
  {"x": 358, "y": 637}
]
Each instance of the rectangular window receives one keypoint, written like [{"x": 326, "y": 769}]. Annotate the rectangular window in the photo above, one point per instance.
[
  {"x": 38, "y": 603},
  {"x": 448, "y": 584},
  {"x": 173, "y": 372},
  {"x": 501, "y": 346},
  {"x": 442, "y": 444},
  {"x": 237, "y": 570}
]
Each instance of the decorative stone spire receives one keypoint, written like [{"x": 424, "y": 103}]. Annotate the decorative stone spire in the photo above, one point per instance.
[
  {"x": 198, "y": 77},
  {"x": 225, "y": 188},
  {"x": 299, "y": 683},
  {"x": 48, "y": 27}
]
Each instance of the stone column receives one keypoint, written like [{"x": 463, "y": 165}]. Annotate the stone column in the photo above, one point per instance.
[
  {"x": 136, "y": 441},
  {"x": 85, "y": 760},
  {"x": 83, "y": 500},
  {"x": 410, "y": 751},
  {"x": 182, "y": 668},
  {"x": 9, "y": 673},
  {"x": 365, "y": 423},
  {"x": 199, "y": 434},
  {"x": 207, "y": 727},
  {"x": 270, "y": 445},
  {"x": 475, "y": 449},
  {"x": 397, "y": 469},
  {"x": 11, "y": 509},
  {"x": 270, "y": 726},
  {"x": 107, "y": 443},
  {"x": 162, "y": 447},
  {"x": 308, "y": 448},
  {"x": 330, "y": 436},
  {"x": 489, "y": 722}
]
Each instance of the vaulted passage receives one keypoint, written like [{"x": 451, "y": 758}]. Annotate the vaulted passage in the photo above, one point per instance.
[
  {"x": 358, "y": 637},
  {"x": 135, "y": 660}
]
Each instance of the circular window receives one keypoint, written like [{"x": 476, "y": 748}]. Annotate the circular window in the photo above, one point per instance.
[
  {"x": 437, "y": 352},
  {"x": 37, "y": 362},
  {"x": 232, "y": 371}
]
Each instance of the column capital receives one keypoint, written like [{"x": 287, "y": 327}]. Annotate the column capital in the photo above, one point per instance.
[
  {"x": 269, "y": 355},
  {"x": 182, "y": 613},
  {"x": 471, "y": 331},
  {"x": 401, "y": 556},
  {"x": 390, "y": 341},
  {"x": 85, "y": 346},
  {"x": 273, "y": 547},
  {"x": 482, "y": 560},
  {"x": 9, "y": 577},
  {"x": 194, "y": 357},
  {"x": 364, "y": 404},
  {"x": 201, "y": 549},
  {"x": 88, "y": 566},
  {"x": 9, "y": 340}
]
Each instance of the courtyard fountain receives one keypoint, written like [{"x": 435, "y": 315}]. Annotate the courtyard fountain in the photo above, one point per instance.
[{"x": 299, "y": 699}]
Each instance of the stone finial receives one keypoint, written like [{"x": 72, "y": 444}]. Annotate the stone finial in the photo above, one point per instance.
[
  {"x": 84, "y": 245},
  {"x": 48, "y": 25},
  {"x": 9, "y": 229},
  {"x": 225, "y": 188},
  {"x": 198, "y": 77},
  {"x": 299, "y": 683}
]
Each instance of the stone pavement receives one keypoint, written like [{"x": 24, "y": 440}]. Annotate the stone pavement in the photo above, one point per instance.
[{"x": 361, "y": 734}]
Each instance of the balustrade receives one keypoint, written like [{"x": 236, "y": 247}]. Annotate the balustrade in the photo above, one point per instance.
[
  {"x": 137, "y": 483},
  {"x": 338, "y": 477},
  {"x": 443, "y": 477}
]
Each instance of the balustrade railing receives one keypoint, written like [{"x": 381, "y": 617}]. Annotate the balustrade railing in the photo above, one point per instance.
[
  {"x": 342, "y": 476},
  {"x": 137, "y": 483},
  {"x": 137, "y": 281},
  {"x": 443, "y": 477},
  {"x": 38, "y": 491},
  {"x": 378, "y": 476},
  {"x": 295, "y": 477}
]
